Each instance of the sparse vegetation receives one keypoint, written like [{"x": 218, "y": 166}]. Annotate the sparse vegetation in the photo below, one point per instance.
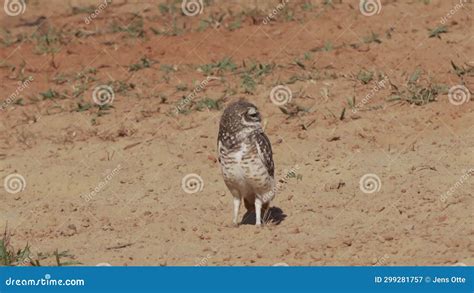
[
  {"x": 236, "y": 24},
  {"x": 9, "y": 256},
  {"x": 365, "y": 76},
  {"x": 372, "y": 38},
  {"x": 133, "y": 29},
  {"x": 416, "y": 91},
  {"x": 162, "y": 63},
  {"x": 328, "y": 46},
  {"x": 437, "y": 31},
  {"x": 248, "y": 83},
  {"x": 142, "y": 64},
  {"x": 50, "y": 94},
  {"x": 225, "y": 64},
  {"x": 207, "y": 103}
]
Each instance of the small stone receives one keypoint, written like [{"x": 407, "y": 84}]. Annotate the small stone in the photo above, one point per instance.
[{"x": 302, "y": 135}]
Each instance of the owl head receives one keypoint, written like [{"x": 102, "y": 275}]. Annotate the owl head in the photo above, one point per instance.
[{"x": 239, "y": 116}]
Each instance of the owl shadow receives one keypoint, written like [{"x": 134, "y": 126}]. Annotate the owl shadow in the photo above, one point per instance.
[{"x": 274, "y": 215}]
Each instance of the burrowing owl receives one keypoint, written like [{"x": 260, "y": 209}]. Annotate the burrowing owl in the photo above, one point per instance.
[{"x": 246, "y": 160}]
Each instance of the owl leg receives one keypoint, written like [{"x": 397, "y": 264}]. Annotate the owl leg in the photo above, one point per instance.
[
  {"x": 248, "y": 204},
  {"x": 236, "y": 211},
  {"x": 258, "y": 212},
  {"x": 265, "y": 211}
]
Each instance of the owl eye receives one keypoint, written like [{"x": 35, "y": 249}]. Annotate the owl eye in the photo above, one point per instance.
[{"x": 252, "y": 112}]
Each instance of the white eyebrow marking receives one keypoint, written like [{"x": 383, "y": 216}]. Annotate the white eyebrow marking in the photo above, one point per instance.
[{"x": 252, "y": 111}]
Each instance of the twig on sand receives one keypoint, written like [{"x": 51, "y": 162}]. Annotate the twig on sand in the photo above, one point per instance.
[{"x": 119, "y": 246}]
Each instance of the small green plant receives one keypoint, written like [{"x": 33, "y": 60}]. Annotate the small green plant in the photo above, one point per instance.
[
  {"x": 164, "y": 9},
  {"x": 248, "y": 83},
  {"x": 143, "y": 63},
  {"x": 19, "y": 102},
  {"x": 351, "y": 102},
  {"x": 365, "y": 76},
  {"x": 300, "y": 64},
  {"x": 416, "y": 91},
  {"x": 307, "y": 6},
  {"x": 415, "y": 76},
  {"x": 175, "y": 29},
  {"x": 259, "y": 69},
  {"x": 291, "y": 174},
  {"x": 120, "y": 86},
  {"x": 207, "y": 103},
  {"x": 372, "y": 38},
  {"x": 133, "y": 29},
  {"x": 181, "y": 87},
  {"x": 437, "y": 31},
  {"x": 48, "y": 42},
  {"x": 328, "y": 46},
  {"x": 78, "y": 89},
  {"x": 295, "y": 78},
  {"x": 83, "y": 10},
  {"x": 328, "y": 3},
  {"x": 83, "y": 107},
  {"x": 6, "y": 39},
  {"x": 60, "y": 78},
  {"x": 418, "y": 95},
  {"x": 10, "y": 256},
  {"x": 50, "y": 94},
  {"x": 461, "y": 70},
  {"x": 235, "y": 24},
  {"x": 203, "y": 25},
  {"x": 166, "y": 68},
  {"x": 225, "y": 64}
]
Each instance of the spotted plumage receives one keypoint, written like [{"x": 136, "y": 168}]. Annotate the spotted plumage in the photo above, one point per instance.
[{"x": 245, "y": 156}]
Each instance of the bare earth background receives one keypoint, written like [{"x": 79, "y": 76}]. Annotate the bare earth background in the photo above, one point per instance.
[{"x": 136, "y": 150}]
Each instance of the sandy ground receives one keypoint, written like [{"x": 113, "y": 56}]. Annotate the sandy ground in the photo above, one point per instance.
[{"x": 105, "y": 183}]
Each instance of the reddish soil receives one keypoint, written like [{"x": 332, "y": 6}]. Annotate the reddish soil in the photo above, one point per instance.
[{"x": 105, "y": 183}]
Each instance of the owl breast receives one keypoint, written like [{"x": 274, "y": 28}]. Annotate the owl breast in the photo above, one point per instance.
[{"x": 243, "y": 170}]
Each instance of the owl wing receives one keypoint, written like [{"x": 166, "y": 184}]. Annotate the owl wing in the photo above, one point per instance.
[{"x": 264, "y": 149}]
